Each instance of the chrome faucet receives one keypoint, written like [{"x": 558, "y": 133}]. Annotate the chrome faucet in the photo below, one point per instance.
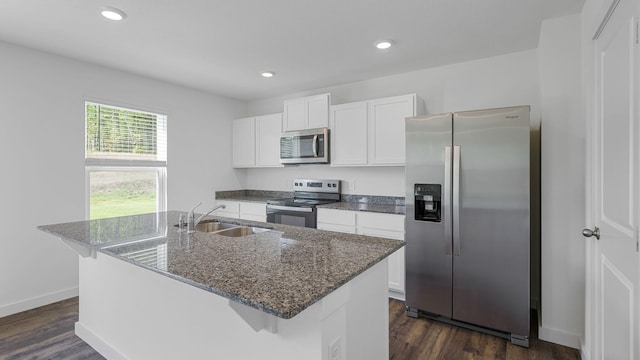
[
  {"x": 209, "y": 212},
  {"x": 192, "y": 222}
]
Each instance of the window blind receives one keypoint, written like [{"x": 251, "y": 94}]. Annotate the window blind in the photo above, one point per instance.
[{"x": 119, "y": 135}]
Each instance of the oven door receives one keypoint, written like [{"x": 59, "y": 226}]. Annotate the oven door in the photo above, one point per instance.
[{"x": 292, "y": 215}]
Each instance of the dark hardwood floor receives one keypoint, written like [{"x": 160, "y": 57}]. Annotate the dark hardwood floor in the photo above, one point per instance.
[
  {"x": 426, "y": 339},
  {"x": 48, "y": 333},
  {"x": 44, "y": 333}
]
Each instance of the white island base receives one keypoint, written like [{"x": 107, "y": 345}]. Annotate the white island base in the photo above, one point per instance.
[{"x": 128, "y": 312}]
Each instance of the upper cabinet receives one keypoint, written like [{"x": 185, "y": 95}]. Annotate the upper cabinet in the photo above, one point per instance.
[
  {"x": 244, "y": 142},
  {"x": 348, "y": 123},
  {"x": 256, "y": 141},
  {"x": 306, "y": 113},
  {"x": 371, "y": 132},
  {"x": 268, "y": 130},
  {"x": 386, "y": 128}
]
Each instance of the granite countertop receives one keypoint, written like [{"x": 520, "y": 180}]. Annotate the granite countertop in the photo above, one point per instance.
[
  {"x": 358, "y": 206},
  {"x": 379, "y": 204},
  {"x": 281, "y": 272}
]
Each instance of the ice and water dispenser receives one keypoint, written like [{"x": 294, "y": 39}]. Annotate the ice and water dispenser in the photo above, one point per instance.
[{"x": 428, "y": 202}]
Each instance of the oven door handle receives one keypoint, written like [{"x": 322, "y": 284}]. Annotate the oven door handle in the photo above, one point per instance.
[{"x": 289, "y": 208}]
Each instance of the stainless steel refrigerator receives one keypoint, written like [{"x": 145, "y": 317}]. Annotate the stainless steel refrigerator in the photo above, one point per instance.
[{"x": 467, "y": 220}]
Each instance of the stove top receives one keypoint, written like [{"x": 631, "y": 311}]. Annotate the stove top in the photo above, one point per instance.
[
  {"x": 309, "y": 193},
  {"x": 299, "y": 202}
]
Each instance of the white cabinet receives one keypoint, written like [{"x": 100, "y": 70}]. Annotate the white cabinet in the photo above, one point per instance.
[
  {"x": 268, "y": 130},
  {"x": 231, "y": 210},
  {"x": 371, "y": 132},
  {"x": 256, "y": 141},
  {"x": 389, "y": 226},
  {"x": 387, "y": 130},
  {"x": 306, "y": 113},
  {"x": 253, "y": 211},
  {"x": 336, "y": 220},
  {"x": 242, "y": 210},
  {"x": 348, "y": 123},
  {"x": 244, "y": 142}
]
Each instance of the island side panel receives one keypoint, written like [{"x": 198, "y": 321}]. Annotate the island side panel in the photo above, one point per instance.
[{"x": 127, "y": 312}]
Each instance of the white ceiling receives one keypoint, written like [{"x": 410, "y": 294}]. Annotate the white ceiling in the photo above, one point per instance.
[{"x": 222, "y": 46}]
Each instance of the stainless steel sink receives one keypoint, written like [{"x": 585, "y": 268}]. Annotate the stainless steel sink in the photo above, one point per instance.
[
  {"x": 241, "y": 231},
  {"x": 213, "y": 226},
  {"x": 227, "y": 229}
]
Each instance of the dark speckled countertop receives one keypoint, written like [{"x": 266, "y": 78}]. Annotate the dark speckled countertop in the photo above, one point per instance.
[
  {"x": 379, "y": 204},
  {"x": 281, "y": 272}
]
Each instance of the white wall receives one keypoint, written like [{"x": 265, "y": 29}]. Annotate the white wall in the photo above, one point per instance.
[
  {"x": 504, "y": 80},
  {"x": 42, "y": 155},
  {"x": 563, "y": 181}
]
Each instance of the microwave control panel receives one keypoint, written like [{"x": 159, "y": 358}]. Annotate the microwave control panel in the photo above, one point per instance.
[{"x": 316, "y": 185}]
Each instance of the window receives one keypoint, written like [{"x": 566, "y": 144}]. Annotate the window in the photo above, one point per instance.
[{"x": 125, "y": 161}]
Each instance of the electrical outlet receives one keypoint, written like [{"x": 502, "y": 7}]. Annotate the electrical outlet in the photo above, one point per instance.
[{"x": 335, "y": 349}]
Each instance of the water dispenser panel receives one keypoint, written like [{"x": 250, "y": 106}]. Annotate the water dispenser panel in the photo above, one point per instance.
[{"x": 428, "y": 202}]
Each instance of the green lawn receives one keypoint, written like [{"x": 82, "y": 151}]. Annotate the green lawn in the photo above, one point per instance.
[{"x": 121, "y": 194}]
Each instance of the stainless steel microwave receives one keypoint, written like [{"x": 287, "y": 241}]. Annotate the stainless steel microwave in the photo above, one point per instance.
[{"x": 305, "y": 147}]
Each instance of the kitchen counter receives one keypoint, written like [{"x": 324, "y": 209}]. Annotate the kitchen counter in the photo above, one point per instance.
[
  {"x": 280, "y": 272},
  {"x": 148, "y": 291},
  {"x": 378, "y": 204},
  {"x": 368, "y": 207}
]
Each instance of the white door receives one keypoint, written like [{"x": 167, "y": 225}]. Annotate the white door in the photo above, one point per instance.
[{"x": 612, "y": 330}]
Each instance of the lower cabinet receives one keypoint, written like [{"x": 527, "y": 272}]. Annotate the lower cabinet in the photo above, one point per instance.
[
  {"x": 242, "y": 210},
  {"x": 389, "y": 226}
]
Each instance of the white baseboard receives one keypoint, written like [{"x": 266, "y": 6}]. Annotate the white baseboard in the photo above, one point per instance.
[
  {"x": 97, "y": 343},
  {"x": 396, "y": 295},
  {"x": 37, "y": 301},
  {"x": 585, "y": 353},
  {"x": 559, "y": 337}
]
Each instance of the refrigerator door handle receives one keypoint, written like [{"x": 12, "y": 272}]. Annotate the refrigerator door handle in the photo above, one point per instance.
[
  {"x": 456, "y": 201},
  {"x": 446, "y": 208}
]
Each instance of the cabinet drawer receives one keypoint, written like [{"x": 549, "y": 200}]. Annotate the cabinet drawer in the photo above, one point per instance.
[
  {"x": 230, "y": 206},
  {"x": 261, "y": 218},
  {"x": 337, "y": 217},
  {"x": 253, "y": 209},
  {"x": 396, "y": 235},
  {"x": 388, "y": 222},
  {"x": 338, "y": 228}
]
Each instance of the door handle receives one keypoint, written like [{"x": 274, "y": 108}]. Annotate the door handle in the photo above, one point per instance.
[
  {"x": 456, "y": 201},
  {"x": 446, "y": 208},
  {"x": 315, "y": 145},
  {"x": 589, "y": 233}
]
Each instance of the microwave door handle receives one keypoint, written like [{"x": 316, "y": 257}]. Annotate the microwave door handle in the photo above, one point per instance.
[{"x": 315, "y": 145}]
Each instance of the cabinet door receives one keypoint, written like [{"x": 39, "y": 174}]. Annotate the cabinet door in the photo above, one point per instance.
[
  {"x": 387, "y": 130},
  {"x": 318, "y": 111},
  {"x": 388, "y": 226},
  {"x": 231, "y": 210},
  {"x": 244, "y": 143},
  {"x": 348, "y": 125},
  {"x": 395, "y": 260},
  {"x": 268, "y": 130},
  {"x": 295, "y": 115}
]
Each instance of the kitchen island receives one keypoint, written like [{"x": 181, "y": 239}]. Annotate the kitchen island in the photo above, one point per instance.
[{"x": 148, "y": 290}]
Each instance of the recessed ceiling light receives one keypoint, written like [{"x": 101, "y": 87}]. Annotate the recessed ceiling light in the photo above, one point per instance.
[
  {"x": 384, "y": 44},
  {"x": 268, "y": 74},
  {"x": 112, "y": 13}
]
